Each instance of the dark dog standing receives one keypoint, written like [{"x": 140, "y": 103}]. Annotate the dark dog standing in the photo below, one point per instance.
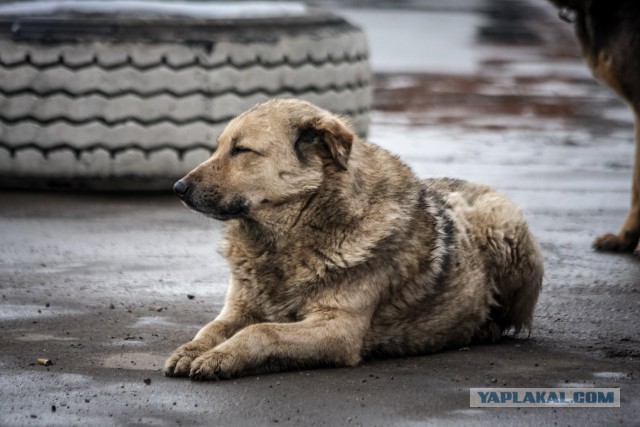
[{"x": 609, "y": 34}]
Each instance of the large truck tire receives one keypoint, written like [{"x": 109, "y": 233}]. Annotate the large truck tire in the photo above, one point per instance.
[{"x": 100, "y": 99}]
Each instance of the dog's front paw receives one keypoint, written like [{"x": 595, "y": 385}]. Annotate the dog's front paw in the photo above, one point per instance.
[
  {"x": 214, "y": 365},
  {"x": 637, "y": 251},
  {"x": 179, "y": 363},
  {"x": 613, "y": 243}
]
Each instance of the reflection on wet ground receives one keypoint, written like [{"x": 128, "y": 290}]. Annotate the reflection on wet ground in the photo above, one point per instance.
[{"x": 526, "y": 72}]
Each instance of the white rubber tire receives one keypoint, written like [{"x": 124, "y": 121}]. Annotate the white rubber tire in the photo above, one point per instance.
[{"x": 135, "y": 112}]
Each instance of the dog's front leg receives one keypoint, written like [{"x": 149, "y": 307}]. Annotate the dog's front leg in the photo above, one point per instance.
[
  {"x": 331, "y": 338},
  {"x": 629, "y": 236},
  {"x": 234, "y": 316},
  {"x": 634, "y": 215}
]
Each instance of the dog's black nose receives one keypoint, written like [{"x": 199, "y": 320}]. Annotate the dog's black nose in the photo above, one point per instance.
[{"x": 181, "y": 188}]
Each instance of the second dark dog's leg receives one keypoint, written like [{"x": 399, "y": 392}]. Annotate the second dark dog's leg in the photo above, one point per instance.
[
  {"x": 633, "y": 221},
  {"x": 628, "y": 238}
]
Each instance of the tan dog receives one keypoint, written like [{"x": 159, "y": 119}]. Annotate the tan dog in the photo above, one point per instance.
[
  {"x": 609, "y": 35},
  {"x": 338, "y": 251}
]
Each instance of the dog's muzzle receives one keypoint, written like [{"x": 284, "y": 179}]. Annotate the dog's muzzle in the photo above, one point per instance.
[{"x": 211, "y": 202}]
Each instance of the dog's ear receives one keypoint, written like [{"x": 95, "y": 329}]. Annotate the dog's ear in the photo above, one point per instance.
[
  {"x": 329, "y": 131},
  {"x": 337, "y": 136}
]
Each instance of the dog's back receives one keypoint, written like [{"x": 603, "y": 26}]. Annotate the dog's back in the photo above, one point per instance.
[{"x": 484, "y": 278}]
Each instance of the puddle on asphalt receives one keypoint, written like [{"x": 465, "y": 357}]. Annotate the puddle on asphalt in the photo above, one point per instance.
[
  {"x": 127, "y": 343},
  {"x": 27, "y": 311},
  {"x": 501, "y": 70},
  {"x": 467, "y": 412},
  {"x": 491, "y": 102},
  {"x": 575, "y": 385},
  {"x": 152, "y": 321},
  {"x": 43, "y": 337},
  {"x": 134, "y": 361},
  {"x": 62, "y": 382},
  {"x": 393, "y": 48},
  {"x": 610, "y": 375}
]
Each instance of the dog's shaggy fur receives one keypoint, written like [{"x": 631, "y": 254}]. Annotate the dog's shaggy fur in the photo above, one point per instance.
[
  {"x": 339, "y": 252},
  {"x": 609, "y": 35}
]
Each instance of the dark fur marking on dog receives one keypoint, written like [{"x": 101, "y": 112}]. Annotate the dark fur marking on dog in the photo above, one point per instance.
[{"x": 304, "y": 208}]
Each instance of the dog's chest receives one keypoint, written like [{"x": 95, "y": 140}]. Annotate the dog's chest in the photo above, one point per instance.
[{"x": 278, "y": 284}]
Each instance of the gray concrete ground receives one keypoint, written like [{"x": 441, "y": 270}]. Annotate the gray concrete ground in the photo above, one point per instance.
[{"x": 107, "y": 285}]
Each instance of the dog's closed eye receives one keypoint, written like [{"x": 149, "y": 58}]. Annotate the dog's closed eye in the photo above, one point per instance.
[{"x": 239, "y": 150}]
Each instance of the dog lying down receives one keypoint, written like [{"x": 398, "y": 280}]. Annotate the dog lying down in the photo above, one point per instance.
[{"x": 339, "y": 252}]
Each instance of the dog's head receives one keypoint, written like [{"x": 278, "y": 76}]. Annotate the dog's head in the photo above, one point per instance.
[{"x": 271, "y": 155}]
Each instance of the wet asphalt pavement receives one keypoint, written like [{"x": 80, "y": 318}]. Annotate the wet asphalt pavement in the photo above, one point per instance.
[{"x": 106, "y": 286}]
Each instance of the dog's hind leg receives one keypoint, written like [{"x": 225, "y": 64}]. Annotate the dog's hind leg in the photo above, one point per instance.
[{"x": 629, "y": 236}]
